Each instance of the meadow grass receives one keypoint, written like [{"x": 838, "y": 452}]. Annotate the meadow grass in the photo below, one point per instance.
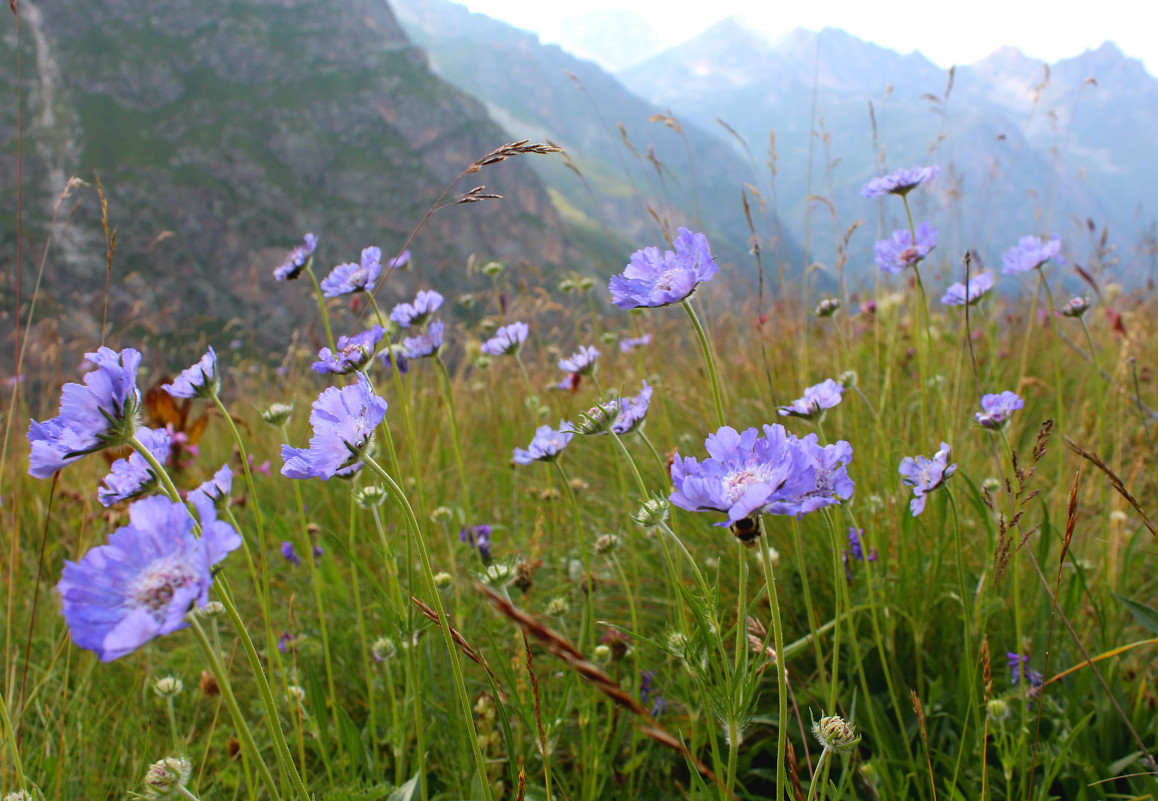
[{"x": 362, "y": 649}]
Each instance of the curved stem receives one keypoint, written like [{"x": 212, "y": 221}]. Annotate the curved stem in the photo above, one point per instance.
[
  {"x": 781, "y": 670},
  {"x": 703, "y": 337},
  {"x": 309, "y": 270},
  {"x": 818, "y": 776}
]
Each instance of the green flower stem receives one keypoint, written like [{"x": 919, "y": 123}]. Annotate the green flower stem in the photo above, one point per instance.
[
  {"x": 814, "y": 634},
  {"x": 530, "y": 388},
  {"x": 158, "y": 470},
  {"x": 10, "y": 737},
  {"x": 703, "y": 337},
  {"x": 444, "y": 623},
  {"x": 391, "y": 563},
  {"x": 172, "y": 715},
  {"x": 660, "y": 463},
  {"x": 781, "y": 671},
  {"x": 243, "y": 730},
  {"x": 309, "y": 270},
  {"x": 1056, "y": 363},
  {"x": 837, "y": 591},
  {"x": 363, "y": 639},
  {"x": 456, "y": 440},
  {"x": 740, "y": 667},
  {"x": 922, "y": 344},
  {"x": 819, "y": 776},
  {"x": 587, "y": 630}
]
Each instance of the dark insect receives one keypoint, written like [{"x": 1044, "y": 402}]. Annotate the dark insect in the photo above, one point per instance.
[{"x": 747, "y": 530}]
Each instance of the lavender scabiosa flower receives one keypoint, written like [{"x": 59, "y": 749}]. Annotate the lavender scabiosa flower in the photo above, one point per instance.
[
  {"x": 199, "y": 381},
  {"x": 1030, "y": 253},
  {"x": 745, "y": 473},
  {"x": 1017, "y": 663},
  {"x": 478, "y": 537},
  {"x": 425, "y": 344},
  {"x": 145, "y": 580},
  {"x": 1075, "y": 306},
  {"x": 401, "y": 261},
  {"x": 895, "y": 254},
  {"x": 959, "y": 295},
  {"x": 394, "y": 354},
  {"x": 101, "y": 413},
  {"x": 506, "y": 340},
  {"x": 822, "y": 475},
  {"x": 648, "y": 694},
  {"x": 216, "y": 490},
  {"x": 297, "y": 259},
  {"x": 353, "y": 353},
  {"x": 900, "y": 182},
  {"x": 581, "y": 362},
  {"x": 351, "y": 277},
  {"x": 996, "y": 409},
  {"x": 133, "y": 476},
  {"x": 425, "y": 304},
  {"x": 632, "y": 412},
  {"x": 856, "y": 546},
  {"x": 343, "y": 422},
  {"x": 290, "y": 553},
  {"x": 628, "y": 344},
  {"x": 924, "y": 475},
  {"x": 817, "y": 399},
  {"x": 546, "y": 446},
  {"x": 654, "y": 279}
]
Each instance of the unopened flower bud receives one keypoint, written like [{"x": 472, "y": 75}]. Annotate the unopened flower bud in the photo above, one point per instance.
[
  {"x": 296, "y": 693},
  {"x": 606, "y": 544},
  {"x": 677, "y": 642},
  {"x": 998, "y": 709},
  {"x": 609, "y": 338},
  {"x": 168, "y": 686},
  {"x": 277, "y": 414},
  {"x": 567, "y": 285},
  {"x": 213, "y": 609},
  {"x": 847, "y": 379},
  {"x": 598, "y": 419},
  {"x": 370, "y": 496},
  {"x": 382, "y": 649},
  {"x": 602, "y": 654},
  {"x": 586, "y": 284},
  {"x": 441, "y": 514},
  {"x": 165, "y": 779},
  {"x": 466, "y": 299},
  {"x": 493, "y": 268},
  {"x": 442, "y": 580},
  {"x": 483, "y": 361},
  {"x": 558, "y": 606},
  {"x": 827, "y": 307},
  {"x": 498, "y": 574},
  {"x": 652, "y": 513},
  {"x": 834, "y": 733}
]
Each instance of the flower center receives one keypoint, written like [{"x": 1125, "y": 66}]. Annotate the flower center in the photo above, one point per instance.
[
  {"x": 737, "y": 482},
  {"x": 155, "y": 587},
  {"x": 910, "y": 255}
]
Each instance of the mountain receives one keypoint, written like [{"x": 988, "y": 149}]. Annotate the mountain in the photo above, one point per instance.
[
  {"x": 1001, "y": 129},
  {"x": 541, "y": 91},
  {"x": 222, "y": 131},
  {"x": 613, "y": 38}
]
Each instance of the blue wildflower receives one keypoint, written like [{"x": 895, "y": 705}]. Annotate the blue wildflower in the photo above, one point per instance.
[
  {"x": 133, "y": 476},
  {"x": 425, "y": 304},
  {"x": 478, "y": 537},
  {"x": 654, "y": 279},
  {"x": 957, "y": 295},
  {"x": 198, "y": 381},
  {"x": 147, "y": 578},
  {"x": 354, "y": 353},
  {"x": 425, "y": 344},
  {"x": 823, "y": 478},
  {"x": 343, "y": 422},
  {"x": 297, "y": 259},
  {"x": 901, "y": 251},
  {"x": 632, "y": 412},
  {"x": 900, "y": 182},
  {"x": 350, "y": 277},
  {"x": 216, "y": 490},
  {"x": 628, "y": 344},
  {"x": 506, "y": 340},
  {"x": 546, "y": 446},
  {"x": 997, "y": 409},
  {"x": 289, "y": 553},
  {"x": 925, "y": 475},
  {"x": 1030, "y": 253},
  {"x": 581, "y": 362},
  {"x": 1075, "y": 307},
  {"x": 101, "y": 413},
  {"x": 648, "y": 693},
  {"x": 817, "y": 399}
]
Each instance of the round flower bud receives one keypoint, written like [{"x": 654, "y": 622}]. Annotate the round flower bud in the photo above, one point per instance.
[
  {"x": 998, "y": 709},
  {"x": 168, "y": 686},
  {"x": 598, "y": 419},
  {"x": 488, "y": 327},
  {"x": 608, "y": 338},
  {"x": 382, "y": 649},
  {"x": 483, "y": 361},
  {"x": 19, "y": 795},
  {"x": 493, "y": 268},
  {"x": 653, "y": 512},
  {"x": 827, "y": 307},
  {"x": 606, "y": 544},
  {"x": 567, "y": 285},
  {"x": 467, "y": 300},
  {"x": 498, "y": 574},
  {"x": 277, "y": 414},
  {"x": 847, "y": 379},
  {"x": 834, "y": 733},
  {"x": 296, "y": 693},
  {"x": 602, "y": 654},
  {"x": 558, "y": 606},
  {"x": 677, "y": 642},
  {"x": 442, "y": 580},
  {"x": 991, "y": 484},
  {"x": 1075, "y": 307},
  {"x": 585, "y": 284},
  {"x": 166, "y": 779},
  {"x": 213, "y": 609},
  {"x": 441, "y": 514},
  {"x": 370, "y": 496}
]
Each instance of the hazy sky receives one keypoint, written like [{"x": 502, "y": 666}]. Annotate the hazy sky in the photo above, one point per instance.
[{"x": 947, "y": 34}]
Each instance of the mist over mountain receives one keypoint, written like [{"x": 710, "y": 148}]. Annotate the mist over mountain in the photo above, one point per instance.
[
  {"x": 222, "y": 131},
  {"x": 1024, "y": 146},
  {"x": 614, "y": 39}
]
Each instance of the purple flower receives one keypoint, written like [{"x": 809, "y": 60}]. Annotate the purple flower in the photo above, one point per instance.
[
  {"x": 654, "y": 279},
  {"x": 507, "y": 339},
  {"x": 133, "y": 476},
  {"x": 290, "y": 554},
  {"x": 856, "y": 548},
  {"x": 318, "y": 552},
  {"x": 629, "y": 344},
  {"x": 425, "y": 344},
  {"x": 1030, "y": 253},
  {"x": 354, "y": 353},
  {"x": 297, "y": 259},
  {"x": 216, "y": 490},
  {"x": 1075, "y": 307},
  {"x": 400, "y": 261},
  {"x": 956, "y": 295},
  {"x": 924, "y": 475},
  {"x": 816, "y": 400},
  {"x": 350, "y": 277},
  {"x": 546, "y": 446},
  {"x": 145, "y": 580},
  {"x": 899, "y": 252},
  {"x": 582, "y": 362},
  {"x": 343, "y": 422},
  {"x": 395, "y": 352},
  {"x": 648, "y": 693},
  {"x": 632, "y": 412},
  {"x": 1017, "y": 663},
  {"x": 823, "y": 476},
  {"x": 746, "y": 473},
  {"x": 422, "y": 309},
  {"x": 101, "y": 413},
  {"x": 900, "y": 182},
  {"x": 199, "y": 381},
  {"x": 285, "y": 641},
  {"x": 478, "y": 537},
  {"x": 996, "y": 409}
]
